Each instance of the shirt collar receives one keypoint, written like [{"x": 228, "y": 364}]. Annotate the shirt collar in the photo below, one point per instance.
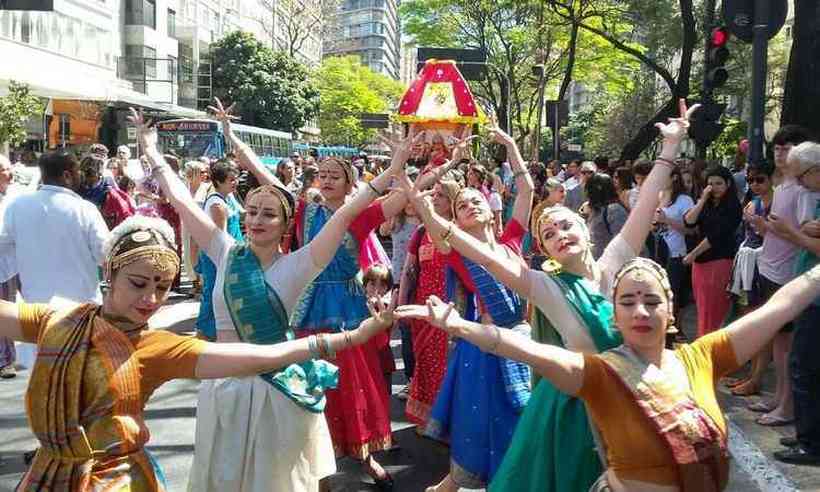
[{"x": 59, "y": 189}]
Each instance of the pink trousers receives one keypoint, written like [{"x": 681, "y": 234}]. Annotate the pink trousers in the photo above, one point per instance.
[{"x": 709, "y": 281}]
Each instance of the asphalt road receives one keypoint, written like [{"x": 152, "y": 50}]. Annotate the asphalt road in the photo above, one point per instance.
[{"x": 414, "y": 463}]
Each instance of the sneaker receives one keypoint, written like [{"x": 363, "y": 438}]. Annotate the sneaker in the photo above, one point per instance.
[
  {"x": 403, "y": 393},
  {"x": 8, "y": 372}
]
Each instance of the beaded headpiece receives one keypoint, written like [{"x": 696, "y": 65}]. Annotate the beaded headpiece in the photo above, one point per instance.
[
  {"x": 135, "y": 240},
  {"x": 283, "y": 196}
]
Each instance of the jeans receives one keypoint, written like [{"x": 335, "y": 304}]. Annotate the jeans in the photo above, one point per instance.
[{"x": 805, "y": 373}]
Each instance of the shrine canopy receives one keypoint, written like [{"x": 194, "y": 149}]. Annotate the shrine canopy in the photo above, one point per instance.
[{"x": 439, "y": 94}]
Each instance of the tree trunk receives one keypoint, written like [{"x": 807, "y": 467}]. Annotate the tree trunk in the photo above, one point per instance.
[
  {"x": 648, "y": 133},
  {"x": 801, "y": 94}
]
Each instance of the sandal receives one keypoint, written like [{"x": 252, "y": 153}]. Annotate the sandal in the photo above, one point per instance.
[
  {"x": 383, "y": 483},
  {"x": 732, "y": 382},
  {"x": 769, "y": 420},
  {"x": 761, "y": 406}
]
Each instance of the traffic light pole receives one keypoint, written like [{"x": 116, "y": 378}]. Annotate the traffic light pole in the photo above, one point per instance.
[
  {"x": 760, "y": 46},
  {"x": 708, "y": 25}
]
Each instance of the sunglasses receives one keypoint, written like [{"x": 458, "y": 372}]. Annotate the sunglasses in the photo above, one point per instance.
[{"x": 758, "y": 180}]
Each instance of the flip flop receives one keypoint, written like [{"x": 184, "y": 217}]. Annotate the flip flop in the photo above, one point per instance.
[
  {"x": 761, "y": 406},
  {"x": 772, "y": 421},
  {"x": 732, "y": 382},
  {"x": 747, "y": 389}
]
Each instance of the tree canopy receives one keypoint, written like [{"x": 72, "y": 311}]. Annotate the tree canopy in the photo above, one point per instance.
[
  {"x": 15, "y": 110},
  {"x": 349, "y": 88},
  {"x": 271, "y": 89}
]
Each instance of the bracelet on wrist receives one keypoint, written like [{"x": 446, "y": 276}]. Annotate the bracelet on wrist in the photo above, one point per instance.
[
  {"x": 497, "y": 333},
  {"x": 520, "y": 173}
]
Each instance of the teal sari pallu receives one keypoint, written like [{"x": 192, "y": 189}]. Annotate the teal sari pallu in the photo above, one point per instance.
[{"x": 260, "y": 318}]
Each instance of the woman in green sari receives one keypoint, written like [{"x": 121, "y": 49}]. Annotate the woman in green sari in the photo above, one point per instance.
[{"x": 553, "y": 447}]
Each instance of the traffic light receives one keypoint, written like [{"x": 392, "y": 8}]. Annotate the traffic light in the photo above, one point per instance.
[
  {"x": 716, "y": 57},
  {"x": 706, "y": 126}
]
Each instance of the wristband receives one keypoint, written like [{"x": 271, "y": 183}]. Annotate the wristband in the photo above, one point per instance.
[
  {"x": 377, "y": 192},
  {"x": 448, "y": 233}
]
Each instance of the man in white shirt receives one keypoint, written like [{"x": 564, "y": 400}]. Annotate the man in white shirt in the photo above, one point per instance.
[{"x": 56, "y": 238}]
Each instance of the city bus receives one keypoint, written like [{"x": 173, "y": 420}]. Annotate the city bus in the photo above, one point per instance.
[
  {"x": 193, "y": 138},
  {"x": 326, "y": 150}
]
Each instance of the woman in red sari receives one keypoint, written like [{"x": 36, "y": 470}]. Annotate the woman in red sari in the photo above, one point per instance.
[{"x": 424, "y": 276}]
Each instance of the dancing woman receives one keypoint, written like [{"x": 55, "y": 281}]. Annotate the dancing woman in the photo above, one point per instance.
[
  {"x": 656, "y": 408},
  {"x": 357, "y": 409},
  {"x": 482, "y": 395},
  {"x": 267, "y": 433},
  {"x": 97, "y": 365},
  {"x": 553, "y": 447}
]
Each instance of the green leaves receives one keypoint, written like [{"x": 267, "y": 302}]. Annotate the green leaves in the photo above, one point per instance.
[
  {"x": 347, "y": 89},
  {"x": 15, "y": 110},
  {"x": 271, "y": 89}
]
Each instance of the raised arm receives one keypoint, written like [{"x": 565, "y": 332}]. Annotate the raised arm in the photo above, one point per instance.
[
  {"x": 639, "y": 222},
  {"x": 563, "y": 368},
  {"x": 510, "y": 271},
  {"x": 522, "y": 206},
  {"x": 197, "y": 222},
  {"x": 752, "y": 332},
  {"x": 324, "y": 245},
  {"x": 222, "y": 360},
  {"x": 246, "y": 156}
]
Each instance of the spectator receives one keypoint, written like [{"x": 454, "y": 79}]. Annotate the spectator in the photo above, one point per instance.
[
  {"x": 70, "y": 270},
  {"x": 776, "y": 264},
  {"x": 640, "y": 171},
  {"x": 803, "y": 361},
  {"x": 623, "y": 184},
  {"x": 10, "y": 282},
  {"x": 606, "y": 213},
  {"x": 576, "y": 195},
  {"x": 717, "y": 215},
  {"x": 746, "y": 278},
  {"x": 555, "y": 192},
  {"x": 674, "y": 203}
]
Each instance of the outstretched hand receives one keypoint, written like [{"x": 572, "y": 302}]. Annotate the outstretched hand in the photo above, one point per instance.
[
  {"x": 223, "y": 114},
  {"x": 146, "y": 132},
  {"x": 401, "y": 148},
  {"x": 435, "y": 311},
  {"x": 381, "y": 318},
  {"x": 675, "y": 129}
]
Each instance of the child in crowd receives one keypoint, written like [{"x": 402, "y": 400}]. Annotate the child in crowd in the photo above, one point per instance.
[{"x": 378, "y": 283}]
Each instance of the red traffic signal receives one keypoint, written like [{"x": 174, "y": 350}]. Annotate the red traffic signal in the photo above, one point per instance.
[{"x": 720, "y": 36}]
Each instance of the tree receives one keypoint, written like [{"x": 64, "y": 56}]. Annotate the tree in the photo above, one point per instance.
[
  {"x": 801, "y": 96},
  {"x": 298, "y": 20},
  {"x": 271, "y": 89},
  {"x": 15, "y": 110},
  {"x": 348, "y": 89}
]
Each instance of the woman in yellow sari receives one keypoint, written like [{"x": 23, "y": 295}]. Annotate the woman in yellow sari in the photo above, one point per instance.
[
  {"x": 656, "y": 410},
  {"x": 98, "y": 365}
]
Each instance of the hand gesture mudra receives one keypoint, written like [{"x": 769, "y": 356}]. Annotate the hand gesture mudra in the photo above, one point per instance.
[
  {"x": 676, "y": 128},
  {"x": 223, "y": 114},
  {"x": 381, "y": 318},
  {"x": 435, "y": 311},
  {"x": 401, "y": 147},
  {"x": 499, "y": 136},
  {"x": 146, "y": 132}
]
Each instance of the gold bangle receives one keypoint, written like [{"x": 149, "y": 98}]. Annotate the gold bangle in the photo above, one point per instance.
[
  {"x": 348, "y": 340},
  {"x": 448, "y": 233}
]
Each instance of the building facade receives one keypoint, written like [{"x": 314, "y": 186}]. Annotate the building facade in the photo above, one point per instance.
[
  {"x": 90, "y": 60},
  {"x": 369, "y": 29}
]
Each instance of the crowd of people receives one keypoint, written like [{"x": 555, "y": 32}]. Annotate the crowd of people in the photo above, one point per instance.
[{"x": 538, "y": 306}]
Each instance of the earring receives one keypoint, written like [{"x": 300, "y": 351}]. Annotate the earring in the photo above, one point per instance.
[{"x": 551, "y": 266}]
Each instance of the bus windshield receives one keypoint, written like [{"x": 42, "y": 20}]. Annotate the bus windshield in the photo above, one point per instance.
[{"x": 190, "y": 145}]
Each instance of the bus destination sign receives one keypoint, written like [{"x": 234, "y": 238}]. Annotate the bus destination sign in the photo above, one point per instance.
[{"x": 186, "y": 126}]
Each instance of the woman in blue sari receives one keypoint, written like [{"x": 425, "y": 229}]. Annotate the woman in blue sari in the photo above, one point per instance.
[
  {"x": 553, "y": 447},
  {"x": 482, "y": 395}
]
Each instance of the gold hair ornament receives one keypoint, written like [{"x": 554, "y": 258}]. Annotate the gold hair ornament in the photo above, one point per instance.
[
  {"x": 640, "y": 266},
  {"x": 162, "y": 258}
]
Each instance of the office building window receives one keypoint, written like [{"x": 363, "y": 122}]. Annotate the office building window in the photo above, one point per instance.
[
  {"x": 172, "y": 23},
  {"x": 141, "y": 61},
  {"x": 141, "y": 13}
]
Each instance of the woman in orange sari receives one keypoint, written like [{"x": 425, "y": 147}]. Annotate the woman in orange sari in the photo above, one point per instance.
[
  {"x": 97, "y": 366},
  {"x": 655, "y": 408}
]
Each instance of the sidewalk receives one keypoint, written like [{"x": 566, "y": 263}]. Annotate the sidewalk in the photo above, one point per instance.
[{"x": 752, "y": 446}]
